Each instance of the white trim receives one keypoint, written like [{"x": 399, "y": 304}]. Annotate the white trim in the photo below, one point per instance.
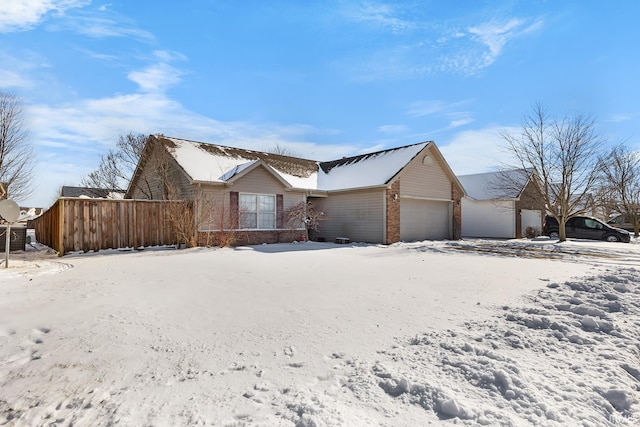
[
  {"x": 371, "y": 187},
  {"x": 384, "y": 217},
  {"x": 426, "y": 199}
]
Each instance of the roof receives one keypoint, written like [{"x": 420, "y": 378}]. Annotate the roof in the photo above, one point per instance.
[
  {"x": 205, "y": 162},
  {"x": 215, "y": 163},
  {"x": 95, "y": 193},
  {"x": 501, "y": 185},
  {"x": 366, "y": 170}
]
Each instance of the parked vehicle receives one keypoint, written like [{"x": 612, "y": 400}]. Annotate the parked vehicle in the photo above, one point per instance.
[
  {"x": 621, "y": 221},
  {"x": 585, "y": 227}
]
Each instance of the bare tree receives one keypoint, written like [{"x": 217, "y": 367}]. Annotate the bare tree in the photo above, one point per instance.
[
  {"x": 605, "y": 200},
  {"x": 16, "y": 152},
  {"x": 564, "y": 154},
  {"x": 621, "y": 177},
  {"x": 305, "y": 214},
  {"x": 282, "y": 150},
  {"x": 118, "y": 165}
]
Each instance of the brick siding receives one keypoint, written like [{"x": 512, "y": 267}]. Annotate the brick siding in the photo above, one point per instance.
[
  {"x": 456, "y": 195},
  {"x": 248, "y": 237},
  {"x": 393, "y": 213}
]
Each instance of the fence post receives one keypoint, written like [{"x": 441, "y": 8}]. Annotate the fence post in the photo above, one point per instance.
[
  {"x": 60, "y": 237},
  {"x": 135, "y": 225}
]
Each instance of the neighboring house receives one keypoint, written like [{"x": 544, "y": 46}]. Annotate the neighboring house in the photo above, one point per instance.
[
  {"x": 406, "y": 193},
  {"x": 93, "y": 193},
  {"x": 500, "y": 204},
  {"x": 587, "y": 204}
]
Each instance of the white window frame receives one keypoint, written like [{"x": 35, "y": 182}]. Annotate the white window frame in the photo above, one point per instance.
[{"x": 259, "y": 219}]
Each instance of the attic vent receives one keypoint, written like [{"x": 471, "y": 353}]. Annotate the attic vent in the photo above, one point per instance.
[{"x": 427, "y": 161}]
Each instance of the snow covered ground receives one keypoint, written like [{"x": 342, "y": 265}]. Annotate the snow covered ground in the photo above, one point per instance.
[{"x": 480, "y": 332}]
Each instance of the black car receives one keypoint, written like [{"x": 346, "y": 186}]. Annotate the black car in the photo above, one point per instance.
[{"x": 585, "y": 227}]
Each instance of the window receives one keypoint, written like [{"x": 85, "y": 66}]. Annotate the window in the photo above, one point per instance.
[
  {"x": 592, "y": 223},
  {"x": 257, "y": 211}
]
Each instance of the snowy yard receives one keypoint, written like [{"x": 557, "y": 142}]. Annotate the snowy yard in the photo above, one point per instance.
[{"x": 469, "y": 333}]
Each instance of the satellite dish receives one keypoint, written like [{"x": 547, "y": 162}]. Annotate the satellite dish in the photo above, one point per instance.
[{"x": 9, "y": 210}]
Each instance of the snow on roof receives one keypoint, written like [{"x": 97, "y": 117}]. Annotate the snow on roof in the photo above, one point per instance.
[
  {"x": 213, "y": 163},
  {"x": 310, "y": 182},
  {"x": 495, "y": 185},
  {"x": 236, "y": 170},
  {"x": 202, "y": 165},
  {"x": 366, "y": 170}
]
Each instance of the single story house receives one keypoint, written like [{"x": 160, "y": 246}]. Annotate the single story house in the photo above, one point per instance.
[
  {"x": 402, "y": 194},
  {"x": 501, "y": 204}
]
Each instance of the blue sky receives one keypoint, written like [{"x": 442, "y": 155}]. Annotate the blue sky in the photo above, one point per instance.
[{"x": 326, "y": 78}]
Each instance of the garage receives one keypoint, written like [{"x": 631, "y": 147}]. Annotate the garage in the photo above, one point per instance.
[
  {"x": 530, "y": 218},
  {"x": 491, "y": 219},
  {"x": 424, "y": 220}
]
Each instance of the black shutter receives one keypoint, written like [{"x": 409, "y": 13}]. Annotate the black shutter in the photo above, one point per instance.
[{"x": 279, "y": 211}]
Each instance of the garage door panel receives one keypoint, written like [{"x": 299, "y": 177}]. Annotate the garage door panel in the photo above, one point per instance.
[
  {"x": 530, "y": 218},
  {"x": 424, "y": 220}
]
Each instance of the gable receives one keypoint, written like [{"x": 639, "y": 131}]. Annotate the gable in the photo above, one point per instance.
[
  {"x": 426, "y": 176},
  {"x": 258, "y": 180},
  {"x": 155, "y": 169}
]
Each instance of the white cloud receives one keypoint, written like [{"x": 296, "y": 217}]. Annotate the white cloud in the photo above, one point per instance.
[
  {"x": 477, "y": 151},
  {"x": 378, "y": 14},
  {"x": 393, "y": 129},
  {"x": 434, "y": 47},
  {"x": 472, "y": 50},
  {"x": 106, "y": 24},
  {"x": 22, "y": 15},
  {"x": 13, "y": 79},
  {"x": 159, "y": 76},
  {"x": 460, "y": 122},
  {"x": 619, "y": 118},
  {"x": 156, "y": 77},
  {"x": 16, "y": 69},
  {"x": 494, "y": 36},
  {"x": 431, "y": 107},
  {"x": 169, "y": 55},
  {"x": 447, "y": 111},
  {"x": 99, "y": 56}
]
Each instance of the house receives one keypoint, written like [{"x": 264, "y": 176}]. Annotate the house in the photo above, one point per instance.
[
  {"x": 93, "y": 193},
  {"x": 501, "y": 204},
  {"x": 405, "y": 193}
]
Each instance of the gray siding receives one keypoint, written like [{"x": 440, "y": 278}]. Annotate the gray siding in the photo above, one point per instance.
[
  {"x": 419, "y": 180},
  {"x": 358, "y": 215},
  {"x": 213, "y": 201},
  {"x": 258, "y": 180},
  {"x": 162, "y": 179}
]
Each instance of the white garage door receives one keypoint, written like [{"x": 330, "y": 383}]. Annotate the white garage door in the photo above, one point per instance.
[
  {"x": 424, "y": 220},
  {"x": 530, "y": 219}
]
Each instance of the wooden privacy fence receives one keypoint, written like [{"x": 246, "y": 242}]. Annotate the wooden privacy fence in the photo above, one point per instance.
[{"x": 79, "y": 224}]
